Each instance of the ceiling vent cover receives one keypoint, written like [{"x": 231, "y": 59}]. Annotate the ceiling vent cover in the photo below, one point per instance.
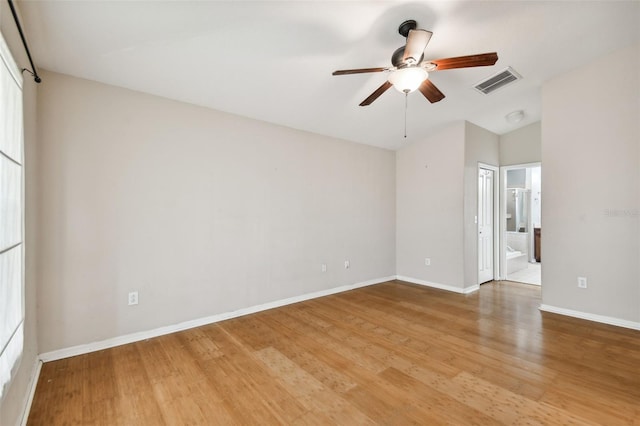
[{"x": 497, "y": 81}]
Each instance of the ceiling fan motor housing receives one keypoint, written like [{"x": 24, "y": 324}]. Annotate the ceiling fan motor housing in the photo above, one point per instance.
[
  {"x": 407, "y": 26},
  {"x": 397, "y": 59}
]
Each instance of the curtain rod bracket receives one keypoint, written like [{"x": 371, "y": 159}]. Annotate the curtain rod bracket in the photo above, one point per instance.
[
  {"x": 34, "y": 73},
  {"x": 36, "y": 78}
]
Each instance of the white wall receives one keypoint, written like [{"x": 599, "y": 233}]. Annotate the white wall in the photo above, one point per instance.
[
  {"x": 521, "y": 146},
  {"x": 429, "y": 208},
  {"x": 536, "y": 196},
  {"x": 200, "y": 211},
  {"x": 591, "y": 187},
  {"x": 436, "y": 205},
  {"x": 481, "y": 146},
  {"x": 13, "y": 402}
]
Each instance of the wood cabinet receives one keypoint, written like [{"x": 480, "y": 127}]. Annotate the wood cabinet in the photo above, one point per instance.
[{"x": 536, "y": 243}]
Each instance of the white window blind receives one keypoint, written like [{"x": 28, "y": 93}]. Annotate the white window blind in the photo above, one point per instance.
[{"x": 11, "y": 218}]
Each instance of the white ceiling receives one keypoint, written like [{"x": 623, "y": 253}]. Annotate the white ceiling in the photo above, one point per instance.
[{"x": 273, "y": 60}]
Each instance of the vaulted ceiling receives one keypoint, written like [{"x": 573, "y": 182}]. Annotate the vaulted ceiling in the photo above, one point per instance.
[{"x": 273, "y": 61}]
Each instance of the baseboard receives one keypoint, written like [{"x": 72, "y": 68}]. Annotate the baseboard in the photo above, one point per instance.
[
  {"x": 33, "y": 383},
  {"x": 466, "y": 290},
  {"x": 143, "y": 335},
  {"x": 471, "y": 289},
  {"x": 591, "y": 317}
]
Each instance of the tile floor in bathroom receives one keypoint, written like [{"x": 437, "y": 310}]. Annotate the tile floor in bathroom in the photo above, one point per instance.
[{"x": 531, "y": 275}]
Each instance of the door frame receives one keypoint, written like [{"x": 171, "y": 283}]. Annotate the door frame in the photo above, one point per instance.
[
  {"x": 503, "y": 213},
  {"x": 497, "y": 243}
]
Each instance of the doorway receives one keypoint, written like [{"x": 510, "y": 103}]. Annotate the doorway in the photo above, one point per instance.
[
  {"x": 521, "y": 223},
  {"x": 487, "y": 224}
]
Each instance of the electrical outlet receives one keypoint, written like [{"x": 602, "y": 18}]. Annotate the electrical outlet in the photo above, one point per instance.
[
  {"x": 324, "y": 267},
  {"x": 582, "y": 282},
  {"x": 347, "y": 265},
  {"x": 133, "y": 298},
  {"x": 427, "y": 261}
]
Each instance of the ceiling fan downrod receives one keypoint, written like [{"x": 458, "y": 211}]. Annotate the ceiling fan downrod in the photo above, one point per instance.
[{"x": 406, "y": 97}]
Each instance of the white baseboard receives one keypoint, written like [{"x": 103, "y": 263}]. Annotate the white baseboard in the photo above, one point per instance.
[
  {"x": 466, "y": 290},
  {"x": 143, "y": 335},
  {"x": 32, "y": 391},
  {"x": 471, "y": 289},
  {"x": 591, "y": 317}
]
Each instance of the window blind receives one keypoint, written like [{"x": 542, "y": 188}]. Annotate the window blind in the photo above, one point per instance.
[{"x": 11, "y": 218}]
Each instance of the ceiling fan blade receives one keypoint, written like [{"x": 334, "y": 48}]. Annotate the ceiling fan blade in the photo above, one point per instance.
[
  {"x": 479, "y": 60},
  {"x": 359, "y": 71},
  {"x": 417, "y": 41},
  {"x": 430, "y": 91},
  {"x": 375, "y": 95}
]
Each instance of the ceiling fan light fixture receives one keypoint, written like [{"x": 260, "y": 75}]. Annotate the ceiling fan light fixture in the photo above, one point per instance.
[{"x": 408, "y": 79}]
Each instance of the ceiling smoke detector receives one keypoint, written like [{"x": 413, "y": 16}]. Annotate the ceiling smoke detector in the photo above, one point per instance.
[{"x": 515, "y": 116}]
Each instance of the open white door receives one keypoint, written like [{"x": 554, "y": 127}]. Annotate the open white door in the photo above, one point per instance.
[{"x": 485, "y": 225}]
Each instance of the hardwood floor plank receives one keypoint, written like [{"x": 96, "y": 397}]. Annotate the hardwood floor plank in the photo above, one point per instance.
[
  {"x": 99, "y": 380},
  {"x": 350, "y": 348},
  {"x": 509, "y": 407},
  {"x": 249, "y": 395},
  {"x": 439, "y": 402},
  {"x": 601, "y": 410},
  {"x": 492, "y": 369},
  {"x": 60, "y": 392},
  {"x": 388, "y": 354}
]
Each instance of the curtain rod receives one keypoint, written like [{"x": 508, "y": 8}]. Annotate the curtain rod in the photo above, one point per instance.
[{"x": 33, "y": 70}]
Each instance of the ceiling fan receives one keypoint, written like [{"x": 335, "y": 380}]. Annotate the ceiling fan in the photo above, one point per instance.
[{"x": 410, "y": 71}]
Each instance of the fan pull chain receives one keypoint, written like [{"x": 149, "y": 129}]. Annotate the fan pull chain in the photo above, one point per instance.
[{"x": 406, "y": 96}]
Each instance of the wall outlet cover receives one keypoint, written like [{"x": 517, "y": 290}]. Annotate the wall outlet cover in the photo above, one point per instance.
[{"x": 582, "y": 282}]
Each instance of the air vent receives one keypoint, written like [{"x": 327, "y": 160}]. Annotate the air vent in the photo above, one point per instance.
[{"x": 497, "y": 81}]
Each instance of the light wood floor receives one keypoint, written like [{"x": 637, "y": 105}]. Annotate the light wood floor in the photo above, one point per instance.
[{"x": 393, "y": 353}]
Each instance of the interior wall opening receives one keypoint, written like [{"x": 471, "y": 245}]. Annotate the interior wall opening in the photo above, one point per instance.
[{"x": 522, "y": 223}]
